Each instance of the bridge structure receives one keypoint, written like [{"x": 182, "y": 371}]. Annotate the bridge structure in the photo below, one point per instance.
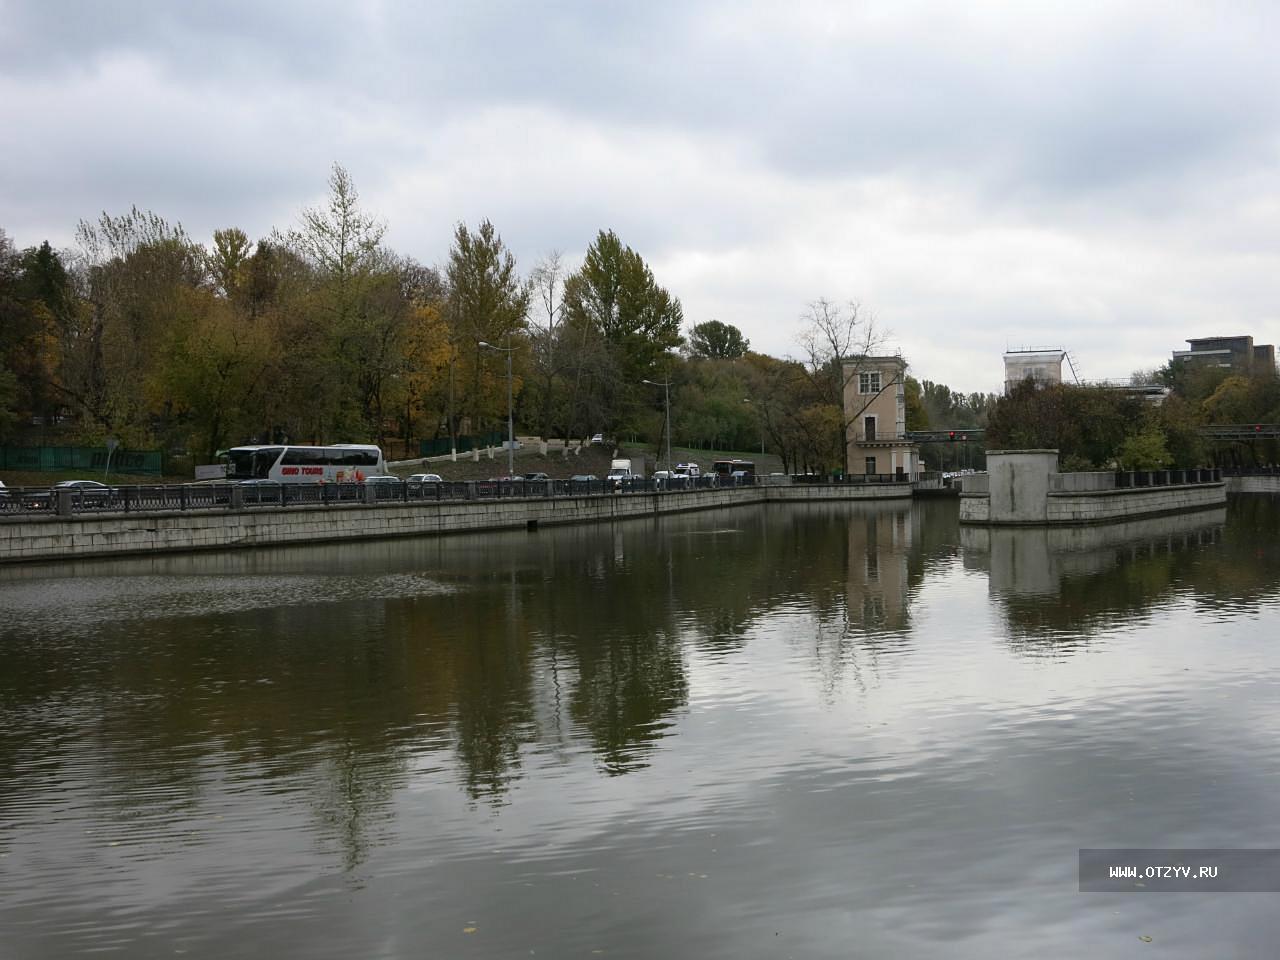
[
  {"x": 958, "y": 435},
  {"x": 1241, "y": 431}
]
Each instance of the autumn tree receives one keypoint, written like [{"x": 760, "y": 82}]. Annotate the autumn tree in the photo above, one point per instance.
[{"x": 145, "y": 282}]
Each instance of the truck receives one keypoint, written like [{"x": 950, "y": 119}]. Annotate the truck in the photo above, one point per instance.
[{"x": 620, "y": 470}]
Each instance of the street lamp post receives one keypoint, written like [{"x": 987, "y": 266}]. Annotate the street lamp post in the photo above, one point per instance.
[
  {"x": 511, "y": 428},
  {"x": 761, "y": 419},
  {"x": 666, "y": 402}
]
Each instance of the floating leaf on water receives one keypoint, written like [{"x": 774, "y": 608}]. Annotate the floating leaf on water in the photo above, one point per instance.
[
  {"x": 468, "y": 929},
  {"x": 1145, "y": 939}
]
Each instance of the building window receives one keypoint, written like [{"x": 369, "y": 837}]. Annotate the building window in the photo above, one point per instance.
[
  {"x": 869, "y": 382},
  {"x": 869, "y": 429},
  {"x": 871, "y": 465}
]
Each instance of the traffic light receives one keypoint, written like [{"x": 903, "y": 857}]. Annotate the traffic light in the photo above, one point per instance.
[{"x": 952, "y": 434}]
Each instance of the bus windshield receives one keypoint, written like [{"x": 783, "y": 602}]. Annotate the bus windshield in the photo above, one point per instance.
[{"x": 251, "y": 463}]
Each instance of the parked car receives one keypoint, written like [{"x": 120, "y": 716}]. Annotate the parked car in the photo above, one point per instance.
[
  {"x": 741, "y": 476},
  {"x": 583, "y": 478},
  {"x": 389, "y": 481},
  {"x": 88, "y": 493},
  {"x": 426, "y": 478},
  {"x": 261, "y": 490},
  {"x": 536, "y": 476},
  {"x": 598, "y": 439}
]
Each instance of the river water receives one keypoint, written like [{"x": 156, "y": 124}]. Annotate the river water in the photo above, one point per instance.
[{"x": 841, "y": 730}]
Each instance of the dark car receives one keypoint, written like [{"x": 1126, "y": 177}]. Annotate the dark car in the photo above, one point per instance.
[
  {"x": 536, "y": 476},
  {"x": 261, "y": 491}
]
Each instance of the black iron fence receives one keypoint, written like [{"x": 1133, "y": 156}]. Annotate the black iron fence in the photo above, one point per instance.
[
  {"x": 57, "y": 501},
  {"x": 854, "y": 479},
  {"x": 1131, "y": 479}
]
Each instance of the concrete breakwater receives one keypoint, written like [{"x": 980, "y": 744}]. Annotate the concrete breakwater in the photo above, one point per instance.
[
  {"x": 1025, "y": 487},
  {"x": 58, "y": 538}
]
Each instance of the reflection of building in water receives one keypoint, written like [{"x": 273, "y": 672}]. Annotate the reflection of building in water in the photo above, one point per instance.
[{"x": 878, "y": 562}]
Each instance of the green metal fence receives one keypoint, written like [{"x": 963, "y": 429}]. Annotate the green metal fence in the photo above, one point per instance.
[
  {"x": 80, "y": 458},
  {"x": 466, "y": 442}
]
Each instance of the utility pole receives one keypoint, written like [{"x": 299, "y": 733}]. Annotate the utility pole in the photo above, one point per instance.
[{"x": 666, "y": 402}]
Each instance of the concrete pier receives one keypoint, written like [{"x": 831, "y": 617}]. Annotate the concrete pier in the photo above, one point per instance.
[{"x": 1024, "y": 487}]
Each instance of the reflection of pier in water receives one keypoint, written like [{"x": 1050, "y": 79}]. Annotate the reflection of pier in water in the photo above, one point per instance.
[
  {"x": 1034, "y": 561},
  {"x": 1056, "y": 580}
]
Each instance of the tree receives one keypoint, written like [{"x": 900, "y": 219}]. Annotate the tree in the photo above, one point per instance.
[
  {"x": 546, "y": 284},
  {"x": 1144, "y": 450},
  {"x": 917, "y": 415},
  {"x": 143, "y": 280},
  {"x": 487, "y": 302},
  {"x": 714, "y": 340},
  {"x": 340, "y": 238},
  {"x": 615, "y": 298}
]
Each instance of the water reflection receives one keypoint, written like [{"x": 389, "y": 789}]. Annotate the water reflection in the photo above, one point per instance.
[
  {"x": 1059, "y": 586},
  {"x": 699, "y": 732}
]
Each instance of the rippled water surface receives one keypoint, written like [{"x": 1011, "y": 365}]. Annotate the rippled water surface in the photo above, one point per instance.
[{"x": 785, "y": 731}]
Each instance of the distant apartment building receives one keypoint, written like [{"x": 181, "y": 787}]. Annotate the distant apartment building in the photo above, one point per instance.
[
  {"x": 875, "y": 404},
  {"x": 1040, "y": 366},
  {"x": 1240, "y": 354}
]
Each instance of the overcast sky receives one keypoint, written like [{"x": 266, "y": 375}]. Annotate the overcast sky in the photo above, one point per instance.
[{"x": 1097, "y": 176}]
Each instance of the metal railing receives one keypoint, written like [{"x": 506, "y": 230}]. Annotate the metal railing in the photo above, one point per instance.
[
  {"x": 851, "y": 479},
  {"x": 46, "y": 501},
  {"x": 1136, "y": 479}
]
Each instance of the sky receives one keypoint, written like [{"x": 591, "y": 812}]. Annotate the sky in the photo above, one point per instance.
[{"x": 977, "y": 177}]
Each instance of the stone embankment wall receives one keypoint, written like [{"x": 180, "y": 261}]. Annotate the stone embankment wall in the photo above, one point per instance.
[
  {"x": 1265, "y": 484},
  {"x": 1023, "y": 487},
  {"x": 55, "y": 538}
]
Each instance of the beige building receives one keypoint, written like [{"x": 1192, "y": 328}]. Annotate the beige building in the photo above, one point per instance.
[{"x": 875, "y": 410}]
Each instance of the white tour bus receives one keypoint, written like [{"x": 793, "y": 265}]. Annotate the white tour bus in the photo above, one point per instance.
[{"x": 340, "y": 463}]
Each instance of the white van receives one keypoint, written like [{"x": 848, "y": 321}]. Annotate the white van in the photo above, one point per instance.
[{"x": 690, "y": 470}]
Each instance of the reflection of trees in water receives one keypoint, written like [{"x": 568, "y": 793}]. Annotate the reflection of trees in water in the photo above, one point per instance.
[
  {"x": 572, "y": 632},
  {"x": 628, "y": 688}
]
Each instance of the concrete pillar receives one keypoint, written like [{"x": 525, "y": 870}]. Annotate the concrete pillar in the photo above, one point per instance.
[
  {"x": 1019, "y": 484},
  {"x": 62, "y": 502}
]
